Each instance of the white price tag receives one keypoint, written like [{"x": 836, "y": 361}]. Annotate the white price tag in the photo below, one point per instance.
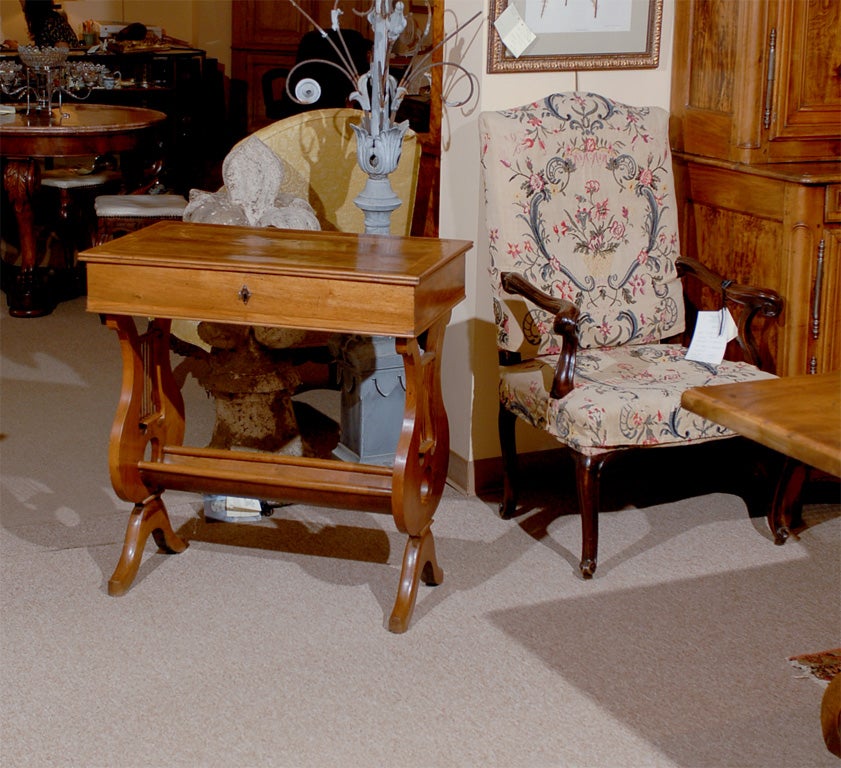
[
  {"x": 712, "y": 332},
  {"x": 513, "y": 31},
  {"x": 238, "y": 507}
]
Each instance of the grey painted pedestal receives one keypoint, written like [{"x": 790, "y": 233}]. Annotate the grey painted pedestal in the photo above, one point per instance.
[{"x": 373, "y": 398}]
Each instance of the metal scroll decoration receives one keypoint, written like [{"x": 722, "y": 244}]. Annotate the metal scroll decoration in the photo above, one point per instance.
[{"x": 379, "y": 95}]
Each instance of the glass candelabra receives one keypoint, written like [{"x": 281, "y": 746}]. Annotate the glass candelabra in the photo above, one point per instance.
[{"x": 43, "y": 78}]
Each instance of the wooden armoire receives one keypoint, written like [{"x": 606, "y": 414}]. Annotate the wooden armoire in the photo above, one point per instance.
[
  {"x": 756, "y": 133},
  {"x": 266, "y": 35}
]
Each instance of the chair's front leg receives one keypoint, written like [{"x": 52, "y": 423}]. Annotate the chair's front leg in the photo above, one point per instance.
[
  {"x": 507, "y": 423},
  {"x": 587, "y": 477}
]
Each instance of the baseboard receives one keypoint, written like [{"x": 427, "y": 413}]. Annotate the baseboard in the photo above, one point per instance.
[
  {"x": 459, "y": 474},
  {"x": 482, "y": 476}
]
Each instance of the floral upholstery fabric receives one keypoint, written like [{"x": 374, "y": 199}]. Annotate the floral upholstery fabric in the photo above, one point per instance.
[
  {"x": 580, "y": 201},
  {"x": 624, "y": 396}
]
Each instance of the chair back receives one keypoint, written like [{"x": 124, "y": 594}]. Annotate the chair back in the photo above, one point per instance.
[
  {"x": 579, "y": 199},
  {"x": 318, "y": 149}
]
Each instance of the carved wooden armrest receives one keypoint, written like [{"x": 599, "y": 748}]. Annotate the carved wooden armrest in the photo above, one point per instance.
[
  {"x": 750, "y": 300},
  {"x": 565, "y": 325}
]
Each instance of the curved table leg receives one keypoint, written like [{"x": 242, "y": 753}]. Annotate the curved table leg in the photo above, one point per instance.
[
  {"x": 150, "y": 415},
  {"x": 419, "y": 562},
  {"x": 786, "y": 501},
  {"x": 27, "y": 297},
  {"x": 420, "y": 467},
  {"x": 146, "y": 518}
]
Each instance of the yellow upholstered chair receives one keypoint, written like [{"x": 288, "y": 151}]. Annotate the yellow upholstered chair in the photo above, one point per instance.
[{"x": 318, "y": 149}]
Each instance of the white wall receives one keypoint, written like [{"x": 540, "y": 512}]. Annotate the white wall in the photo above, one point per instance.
[{"x": 471, "y": 390}]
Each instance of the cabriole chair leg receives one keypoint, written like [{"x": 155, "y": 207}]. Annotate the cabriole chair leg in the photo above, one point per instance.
[
  {"x": 508, "y": 443},
  {"x": 587, "y": 475}
]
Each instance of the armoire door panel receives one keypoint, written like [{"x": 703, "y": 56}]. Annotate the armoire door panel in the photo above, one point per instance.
[
  {"x": 809, "y": 95},
  {"x": 760, "y": 81},
  {"x": 825, "y": 340},
  {"x": 738, "y": 247}
]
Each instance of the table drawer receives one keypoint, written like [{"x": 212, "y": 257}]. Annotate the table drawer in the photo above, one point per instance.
[{"x": 253, "y": 298}]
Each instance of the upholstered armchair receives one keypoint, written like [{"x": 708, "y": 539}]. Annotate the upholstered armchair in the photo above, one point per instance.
[{"x": 587, "y": 283}]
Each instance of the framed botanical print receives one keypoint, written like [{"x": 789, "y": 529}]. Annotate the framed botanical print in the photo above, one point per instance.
[{"x": 558, "y": 35}]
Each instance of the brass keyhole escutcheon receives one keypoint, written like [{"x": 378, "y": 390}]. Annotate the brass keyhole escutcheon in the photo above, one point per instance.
[{"x": 244, "y": 294}]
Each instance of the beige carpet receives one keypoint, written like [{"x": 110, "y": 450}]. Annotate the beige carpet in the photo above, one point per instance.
[{"x": 265, "y": 644}]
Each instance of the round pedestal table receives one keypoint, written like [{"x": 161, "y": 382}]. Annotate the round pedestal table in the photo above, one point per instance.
[{"x": 73, "y": 130}]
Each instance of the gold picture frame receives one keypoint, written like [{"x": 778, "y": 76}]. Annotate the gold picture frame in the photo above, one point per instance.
[{"x": 632, "y": 43}]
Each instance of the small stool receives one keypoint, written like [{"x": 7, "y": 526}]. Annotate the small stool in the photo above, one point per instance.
[
  {"x": 76, "y": 191},
  {"x": 118, "y": 215}
]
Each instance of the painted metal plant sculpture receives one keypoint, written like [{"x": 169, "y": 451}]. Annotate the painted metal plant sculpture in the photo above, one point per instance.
[{"x": 379, "y": 95}]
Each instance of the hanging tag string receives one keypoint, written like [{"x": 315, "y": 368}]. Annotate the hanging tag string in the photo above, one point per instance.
[{"x": 725, "y": 284}]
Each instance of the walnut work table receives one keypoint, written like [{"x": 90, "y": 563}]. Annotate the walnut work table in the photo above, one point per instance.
[
  {"x": 403, "y": 287},
  {"x": 798, "y": 416}
]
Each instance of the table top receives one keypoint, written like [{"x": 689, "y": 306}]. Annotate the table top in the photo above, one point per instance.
[
  {"x": 72, "y": 129},
  {"x": 799, "y": 416},
  {"x": 332, "y": 281},
  {"x": 280, "y": 251}
]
